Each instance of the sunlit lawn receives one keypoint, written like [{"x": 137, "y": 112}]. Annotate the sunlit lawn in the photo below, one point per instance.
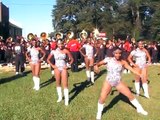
[{"x": 18, "y": 101}]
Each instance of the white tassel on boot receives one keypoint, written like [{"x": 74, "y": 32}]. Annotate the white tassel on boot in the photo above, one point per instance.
[
  {"x": 99, "y": 113},
  {"x": 145, "y": 88},
  {"x": 88, "y": 75},
  {"x": 59, "y": 92},
  {"x": 137, "y": 87},
  {"x": 139, "y": 107},
  {"x": 37, "y": 81},
  {"x": 66, "y": 96},
  {"x": 92, "y": 77},
  {"x": 34, "y": 81}
]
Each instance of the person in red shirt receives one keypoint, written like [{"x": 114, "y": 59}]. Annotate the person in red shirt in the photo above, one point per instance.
[
  {"x": 53, "y": 46},
  {"x": 74, "y": 46}
]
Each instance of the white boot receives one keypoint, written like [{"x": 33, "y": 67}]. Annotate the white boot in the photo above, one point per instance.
[
  {"x": 34, "y": 81},
  {"x": 52, "y": 72},
  {"x": 83, "y": 64},
  {"x": 92, "y": 77},
  {"x": 66, "y": 96},
  {"x": 99, "y": 113},
  {"x": 137, "y": 87},
  {"x": 125, "y": 71},
  {"x": 139, "y": 107},
  {"x": 37, "y": 81},
  {"x": 88, "y": 75},
  {"x": 59, "y": 92},
  {"x": 145, "y": 88}
]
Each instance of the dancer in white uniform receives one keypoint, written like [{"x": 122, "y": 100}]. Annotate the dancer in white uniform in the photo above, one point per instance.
[
  {"x": 89, "y": 58},
  {"x": 60, "y": 69},
  {"x": 114, "y": 68},
  {"x": 35, "y": 62},
  {"x": 141, "y": 57}
]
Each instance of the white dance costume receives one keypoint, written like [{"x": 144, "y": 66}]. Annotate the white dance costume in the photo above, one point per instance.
[
  {"x": 114, "y": 70},
  {"x": 59, "y": 59},
  {"x": 34, "y": 55},
  {"x": 88, "y": 50},
  {"x": 61, "y": 64},
  {"x": 140, "y": 57}
]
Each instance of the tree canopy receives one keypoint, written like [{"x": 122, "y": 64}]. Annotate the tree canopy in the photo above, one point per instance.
[{"x": 138, "y": 18}]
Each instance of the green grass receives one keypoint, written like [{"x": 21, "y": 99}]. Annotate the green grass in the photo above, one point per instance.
[{"x": 18, "y": 101}]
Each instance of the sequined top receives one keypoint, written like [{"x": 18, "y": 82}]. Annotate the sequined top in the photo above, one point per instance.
[
  {"x": 59, "y": 58},
  {"x": 88, "y": 50},
  {"x": 114, "y": 70},
  {"x": 140, "y": 57},
  {"x": 34, "y": 54}
]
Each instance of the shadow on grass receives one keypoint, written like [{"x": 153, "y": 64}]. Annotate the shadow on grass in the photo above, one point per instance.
[
  {"x": 44, "y": 68},
  {"x": 46, "y": 83},
  {"x": 79, "y": 87},
  {"x": 100, "y": 74},
  {"x": 119, "y": 97},
  {"x": 14, "y": 77}
]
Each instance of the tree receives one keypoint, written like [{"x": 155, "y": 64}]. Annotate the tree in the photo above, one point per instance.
[{"x": 134, "y": 17}]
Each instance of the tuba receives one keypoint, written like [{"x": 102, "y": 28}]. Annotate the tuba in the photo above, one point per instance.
[
  {"x": 70, "y": 35},
  {"x": 95, "y": 33},
  {"x": 1, "y": 38},
  {"x": 83, "y": 34},
  {"x": 43, "y": 36},
  {"x": 30, "y": 36},
  {"x": 59, "y": 35}
]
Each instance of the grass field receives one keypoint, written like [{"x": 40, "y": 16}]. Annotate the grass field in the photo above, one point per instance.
[{"x": 18, "y": 101}]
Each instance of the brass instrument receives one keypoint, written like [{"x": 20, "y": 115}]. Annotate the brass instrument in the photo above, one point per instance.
[
  {"x": 59, "y": 35},
  {"x": 9, "y": 39},
  {"x": 1, "y": 38},
  {"x": 30, "y": 36},
  {"x": 95, "y": 33},
  {"x": 70, "y": 34},
  {"x": 83, "y": 34},
  {"x": 43, "y": 36}
]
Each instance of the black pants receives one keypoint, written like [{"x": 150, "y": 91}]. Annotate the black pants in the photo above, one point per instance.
[
  {"x": 52, "y": 60},
  {"x": 155, "y": 57},
  {"x": 19, "y": 62},
  {"x": 9, "y": 57},
  {"x": 74, "y": 65},
  {"x": 2, "y": 55}
]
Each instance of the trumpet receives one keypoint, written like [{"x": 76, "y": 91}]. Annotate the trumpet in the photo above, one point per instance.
[
  {"x": 83, "y": 34},
  {"x": 30, "y": 36}
]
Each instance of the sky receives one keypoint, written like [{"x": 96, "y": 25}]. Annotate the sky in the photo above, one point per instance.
[{"x": 34, "y": 16}]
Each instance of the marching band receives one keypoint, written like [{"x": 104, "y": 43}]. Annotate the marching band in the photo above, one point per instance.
[{"x": 65, "y": 50}]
